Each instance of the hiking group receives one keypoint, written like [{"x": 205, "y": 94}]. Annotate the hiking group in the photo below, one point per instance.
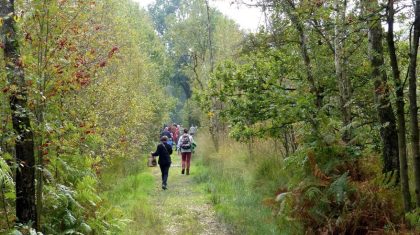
[{"x": 184, "y": 145}]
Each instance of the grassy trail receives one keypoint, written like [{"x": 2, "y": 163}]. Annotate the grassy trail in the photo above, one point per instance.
[{"x": 184, "y": 208}]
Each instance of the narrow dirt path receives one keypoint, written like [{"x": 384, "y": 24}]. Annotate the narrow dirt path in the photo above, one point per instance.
[{"x": 183, "y": 208}]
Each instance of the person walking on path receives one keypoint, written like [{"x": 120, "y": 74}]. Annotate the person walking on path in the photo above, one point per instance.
[
  {"x": 175, "y": 133},
  {"x": 193, "y": 130},
  {"x": 164, "y": 151},
  {"x": 185, "y": 146},
  {"x": 166, "y": 132}
]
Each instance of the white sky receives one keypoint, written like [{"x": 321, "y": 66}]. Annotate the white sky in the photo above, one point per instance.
[{"x": 248, "y": 18}]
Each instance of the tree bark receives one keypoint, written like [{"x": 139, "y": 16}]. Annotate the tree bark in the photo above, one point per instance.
[
  {"x": 214, "y": 120},
  {"x": 307, "y": 61},
  {"x": 386, "y": 115},
  {"x": 24, "y": 143},
  {"x": 210, "y": 36},
  {"x": 412, "y": 87},
  {"x": 343, "y": 81},
  {"x": 399, "y": 93},
  {"x": 316, "y": 90}
]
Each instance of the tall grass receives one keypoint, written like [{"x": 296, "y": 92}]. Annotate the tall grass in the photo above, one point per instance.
[
  {"x": 129, "y": 186},
  {"x": 242, "y": 185}
]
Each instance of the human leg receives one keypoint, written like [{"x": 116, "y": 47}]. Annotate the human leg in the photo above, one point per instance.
[
  {"x": 188, "y": 161},
  {"x": 165, "y": 173},
  {"x": 184, "y": 160}
]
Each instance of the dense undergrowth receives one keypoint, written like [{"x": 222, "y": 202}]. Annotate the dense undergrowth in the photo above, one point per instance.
[{"x": 306, "y": 193}]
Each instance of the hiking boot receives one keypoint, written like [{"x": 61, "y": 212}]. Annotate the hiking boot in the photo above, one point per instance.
[
  {"x": 183, "y": 170},
  {"x": 164, "y": 187},
  {"x": 188, "y": 171}
]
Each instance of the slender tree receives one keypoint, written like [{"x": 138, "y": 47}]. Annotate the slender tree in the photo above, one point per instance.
[
  {"x": 289, "y": 8},
  {"x": 341, "y": 60},
  {"x": 214, "y": 128},
  {"x": 383, "y": 104},
  {"x": 24, "y": 143},
  {"x": 412, "y": 88},
  {"x": 399, "y": 93}
]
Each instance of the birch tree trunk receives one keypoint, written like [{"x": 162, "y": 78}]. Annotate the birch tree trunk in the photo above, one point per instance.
[{"x": 24, "y": 143}]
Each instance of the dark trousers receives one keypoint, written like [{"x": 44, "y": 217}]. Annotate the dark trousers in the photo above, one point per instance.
[{"x": 165, "y": 172}]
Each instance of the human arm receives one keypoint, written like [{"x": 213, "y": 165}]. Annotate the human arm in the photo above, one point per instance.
[
  {"x": 157, "y": 152},
  {"x": 179, "y": 143}
]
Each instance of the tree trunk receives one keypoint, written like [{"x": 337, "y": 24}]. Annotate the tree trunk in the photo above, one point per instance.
[
  {"x": 343, "y": 81},
  {"x": 399, "y": 93},
  {"x": 383, "y": 104},
  {"x": 214, "y": 121},
  {"x": 24, "y": 144},
  {"x": 412, "y": 86},
  {"x": 315, "y": 89},
  {"x": 210, "y": 36}
]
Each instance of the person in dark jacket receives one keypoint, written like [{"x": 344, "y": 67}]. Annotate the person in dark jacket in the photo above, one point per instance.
[
  {"x": 166, "y": 132},
  {"x": 164, "y": 151}
]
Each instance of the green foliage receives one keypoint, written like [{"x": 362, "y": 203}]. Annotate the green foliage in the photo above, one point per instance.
[
  {"x": 187, "y": 29},
  {"x": 259, "y": 96},
  {"x": 103, "y": 75},
  {"x": 93, "y": 70},
  {"x": 413, "y": 218},
  {"x": 6, "y": 178},
  {"x": 285, "y": 86}
]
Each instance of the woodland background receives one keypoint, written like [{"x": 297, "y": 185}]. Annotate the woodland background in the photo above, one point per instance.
[{"x": 308, "y": 126}]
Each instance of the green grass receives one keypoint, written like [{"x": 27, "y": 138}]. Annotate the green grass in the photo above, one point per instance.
[
  {"x": 235, "y": 184},
  {"x": 238, "y": 185},
  {"x": 130, "y": 190},
  {"x": 182, "y": 209}
]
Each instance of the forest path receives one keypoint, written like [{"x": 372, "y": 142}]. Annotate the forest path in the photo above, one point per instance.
[{"x": 184, "y": 208}]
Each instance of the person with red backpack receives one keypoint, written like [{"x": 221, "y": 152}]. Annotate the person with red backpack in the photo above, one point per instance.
[{"x": 185, "y": 147}]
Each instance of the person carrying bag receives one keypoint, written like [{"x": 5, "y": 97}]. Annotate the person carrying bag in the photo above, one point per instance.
[
  {"x": 164, "y": 151},
  {"x": 151, "y": 161}
]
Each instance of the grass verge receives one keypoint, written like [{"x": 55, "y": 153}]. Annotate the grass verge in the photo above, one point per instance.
[
  {"x": 239, "y": 186},
  {"x": 129, "y": 186}
]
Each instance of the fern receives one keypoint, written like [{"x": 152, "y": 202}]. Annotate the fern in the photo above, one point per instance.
[
  {"x": 313, "y": 193},
  {"x": 413, "y": 218},
  {"x": 5, "y": 173},
  {"x": 339, "y": 188}
]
